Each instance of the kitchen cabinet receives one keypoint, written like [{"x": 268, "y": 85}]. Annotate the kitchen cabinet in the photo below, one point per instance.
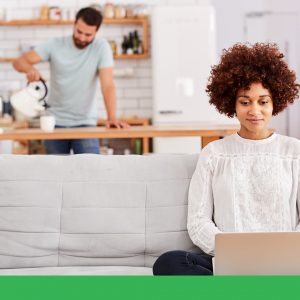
[
  {"x": 135, "y": 145},
  {"x": 18, "y": 147},
  {"x": 121, "y": 21},
  {"x": 36, "y": 147}
]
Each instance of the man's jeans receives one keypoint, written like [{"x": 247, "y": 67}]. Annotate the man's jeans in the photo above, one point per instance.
[{"x": 77, "y": 146}]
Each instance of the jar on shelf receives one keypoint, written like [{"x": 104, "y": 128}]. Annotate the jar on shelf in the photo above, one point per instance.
[
  {"x": 120, "y": 11},
  {"x": 127, "y": 151},
  {"x": 113, "y": 46},
  {"x": 65, "y": 14},
  {"x": 54, "y": 13},
  {"x": 141, "y": 11},
  {"x": 44, "y": 12},
  {"x": 96, "y": 6},
  {"x": 108, "y": 11},
  {"x": 129, "y": 11}
]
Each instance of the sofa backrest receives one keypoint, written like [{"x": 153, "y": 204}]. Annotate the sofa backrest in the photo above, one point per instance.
[{"x": 92, "y": 209}]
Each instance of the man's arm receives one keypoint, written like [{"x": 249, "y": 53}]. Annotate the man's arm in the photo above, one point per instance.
[
  {"x": 24, "y": 64},
  {"x": 109, "y": 95}
]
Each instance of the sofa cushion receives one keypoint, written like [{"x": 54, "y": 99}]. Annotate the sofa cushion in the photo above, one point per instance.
[
  {"x": 92, "y": 270},
  {"x": 92, "y": 210}
]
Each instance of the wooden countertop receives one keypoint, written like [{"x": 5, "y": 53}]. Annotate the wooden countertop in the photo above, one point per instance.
[{"x": 201, "y": 130}]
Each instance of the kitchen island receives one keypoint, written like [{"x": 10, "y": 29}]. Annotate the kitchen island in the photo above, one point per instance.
[{"x": 206, "y": 132}]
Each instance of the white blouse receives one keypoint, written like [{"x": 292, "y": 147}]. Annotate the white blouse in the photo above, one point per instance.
[{"x": 242, "y": 185}]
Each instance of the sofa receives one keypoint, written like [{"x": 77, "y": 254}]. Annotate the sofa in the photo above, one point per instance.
[{"x": 92, "y": 214}]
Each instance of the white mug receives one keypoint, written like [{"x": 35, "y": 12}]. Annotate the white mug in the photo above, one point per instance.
[{"x": 47, "y": 123}]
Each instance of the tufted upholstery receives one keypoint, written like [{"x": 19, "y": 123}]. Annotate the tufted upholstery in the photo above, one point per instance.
[{"x": 91, "y": 214}]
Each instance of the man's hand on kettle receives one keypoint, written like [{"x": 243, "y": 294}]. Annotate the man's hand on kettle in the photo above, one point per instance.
[
  {"x": 114, "y": 123},
  {"x": 34, "y": 75}
]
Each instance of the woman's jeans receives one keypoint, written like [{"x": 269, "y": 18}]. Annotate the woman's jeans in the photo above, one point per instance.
[
  {"x": 183, "y": 263},
  {"x": 78, "y": 146}
]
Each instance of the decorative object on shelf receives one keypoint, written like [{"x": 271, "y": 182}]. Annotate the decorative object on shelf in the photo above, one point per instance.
[
  {"x": 54, "y": 13},
  {"x": 108, "y": 11}
]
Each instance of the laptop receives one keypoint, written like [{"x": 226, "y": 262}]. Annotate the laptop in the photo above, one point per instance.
[{"x": 260, "y": 253}]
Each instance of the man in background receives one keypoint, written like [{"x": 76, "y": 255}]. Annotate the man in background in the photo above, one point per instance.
[{"x": 76, "y": 63}]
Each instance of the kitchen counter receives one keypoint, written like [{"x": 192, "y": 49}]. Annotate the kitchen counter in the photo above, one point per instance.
[{"x": 207, "y": 132}]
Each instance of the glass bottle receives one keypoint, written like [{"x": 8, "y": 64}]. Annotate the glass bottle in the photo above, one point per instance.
[
  {"x": 124, "y": 44},
  {"x": 135, "y": 42},
  {"x": 130, "y": 44}
]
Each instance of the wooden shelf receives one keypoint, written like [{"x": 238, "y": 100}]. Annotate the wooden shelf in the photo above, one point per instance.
[
  {"x": 39, "y": 22},
  {"x": 132, "y": 56},
  {"x": 7, "y": 59},
  {"x": 36, "y": 22},
  {"x": 115, "y": 21},
  {"x": 120, "y": 56}
]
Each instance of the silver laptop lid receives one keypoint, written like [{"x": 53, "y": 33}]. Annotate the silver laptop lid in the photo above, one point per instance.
[{"x": 263, "y": 253}]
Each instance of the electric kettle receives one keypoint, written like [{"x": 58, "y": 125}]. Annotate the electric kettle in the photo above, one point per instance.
[{"x": 30, "y": 101}]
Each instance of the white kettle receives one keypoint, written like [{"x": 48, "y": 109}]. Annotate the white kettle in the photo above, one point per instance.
[{"x": 30, "y": 101}]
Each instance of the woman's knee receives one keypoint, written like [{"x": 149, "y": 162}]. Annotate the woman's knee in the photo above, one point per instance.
[{"x": 167, "y": 262}]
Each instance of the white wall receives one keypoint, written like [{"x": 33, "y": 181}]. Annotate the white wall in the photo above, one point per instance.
[{"x": 230, "y": 19}]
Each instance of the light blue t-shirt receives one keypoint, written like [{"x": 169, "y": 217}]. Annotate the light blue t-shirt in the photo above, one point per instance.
[{"x": 74, "y": 78}]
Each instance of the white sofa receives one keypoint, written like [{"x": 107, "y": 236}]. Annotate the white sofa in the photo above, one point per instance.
[{"x": 92, "y": 214}]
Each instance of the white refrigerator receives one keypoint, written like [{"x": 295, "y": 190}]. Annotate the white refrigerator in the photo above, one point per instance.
[{"x": 183, "y": 51}]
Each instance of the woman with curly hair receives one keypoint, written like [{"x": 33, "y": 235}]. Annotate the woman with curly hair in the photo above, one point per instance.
[{"x": 247, "y": 182}]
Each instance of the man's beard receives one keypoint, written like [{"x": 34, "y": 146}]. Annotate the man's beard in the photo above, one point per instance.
[{"x": 81, "y": 45}]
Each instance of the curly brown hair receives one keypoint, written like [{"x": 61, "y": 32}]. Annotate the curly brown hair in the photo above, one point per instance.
[{"x": 243, "y": 64}]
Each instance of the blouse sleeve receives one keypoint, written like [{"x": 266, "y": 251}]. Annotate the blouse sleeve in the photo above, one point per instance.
[
  {"x": 298, "y": 197},
  {"x": 201, "y": 228}
]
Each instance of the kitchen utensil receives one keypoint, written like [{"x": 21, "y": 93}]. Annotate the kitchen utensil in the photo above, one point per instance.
[{"x": 30, "y": 101}]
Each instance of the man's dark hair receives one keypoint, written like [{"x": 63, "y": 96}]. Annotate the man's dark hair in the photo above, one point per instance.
[{"x": 90, "y": 16}]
